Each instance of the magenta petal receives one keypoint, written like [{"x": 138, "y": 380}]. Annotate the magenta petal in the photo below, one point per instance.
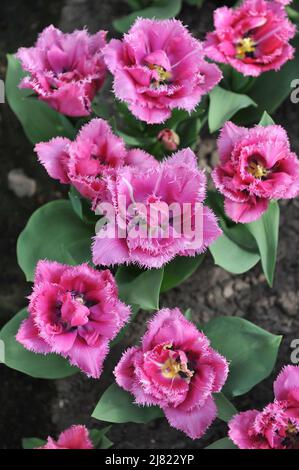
[
  {"x": 29, "y": 337},
  {"x": 245, "y": 212},
  {"x": 109, "y": 251},
  {"x": 124, "y": 371},
  {"x": 239, "y": 429},
  {"x": 76, "y": 437},
  {"x": 286, "y": 382},
  {"x": 140, "y": 159},
  {"x": 195, "y": 422},
  {"x": 53, "y": 156},
  {"x": 89, "y": 359}
]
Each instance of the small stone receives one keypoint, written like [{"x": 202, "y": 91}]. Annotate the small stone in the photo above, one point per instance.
[
  {"x": 21, "y": 184},
  {"x": 228, "y": 291}
]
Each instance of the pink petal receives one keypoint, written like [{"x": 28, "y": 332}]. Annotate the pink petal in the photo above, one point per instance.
[
  {"x": 28, "y": 336},
  {"x": 124, "y": 371},
  {"x": 239, "y": 429},
  {"x": 287, "y": 380},
  {"x": 245, "y": 212},
  {"x": 195, "y": 422},
  {"x": 89, "y": 359},
  {"x": 53, "y": 156},
  {"x": 76, "y": 437}
]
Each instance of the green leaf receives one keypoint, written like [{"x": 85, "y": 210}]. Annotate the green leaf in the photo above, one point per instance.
[
  {"x": 270, "y": 89},
  {"x": 180, "y": 269},
  {"x": 236, "y": 250},
  {"x": 224, "y": 105},
  {"x": 230, "y": 256},
  {"x": 32, "y": 443},
  {"x": 50, "y": 366},
  {"x": 165, "y": 9},
  {"x": 138, "y": 287},
  {"x": 81, "y": 207},
  {"x": 225, "y": 409},
  {"x": 188, "y": 131},
  {"x": 251, "y": 352},
  {"x": 224, "y": 443},
  {"x": 266, "y": 120},
  {"x": 117, "y": 406},
  {"x": 266, "y": 231},
  {"x": 54, "y": 232},
  {"x": 195, "y": 3},
  {"x": 188, "y": 314},
  {"x": 99, "y": 438},
  {"x": 39, "y": 121}
]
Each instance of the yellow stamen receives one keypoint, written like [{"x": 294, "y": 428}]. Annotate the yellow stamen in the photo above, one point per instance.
[
  {"x": 257, "y": 170},
  {"x": 164, "y": 75},
  {"x": 171, "y": 368},
  {"x": 292, "y": 429},
  {"x": 245, "y": 46}
]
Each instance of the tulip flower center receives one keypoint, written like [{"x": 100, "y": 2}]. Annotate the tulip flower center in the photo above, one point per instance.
[
  {"x": 173, "y": 367},
  {"x": 245, "y": 48},
  {"x": 291, "y": 440},
  {"x": 257, "y": 170},
  {"x": 163, "y": 75}
]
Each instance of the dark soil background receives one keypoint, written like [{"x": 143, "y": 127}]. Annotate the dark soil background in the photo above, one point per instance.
[{"x": 38, "y": 407}]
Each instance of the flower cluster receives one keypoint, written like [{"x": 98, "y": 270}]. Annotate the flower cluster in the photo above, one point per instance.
[
  {"x": 252, "y": 38},
  {"x": 74, "y": 312},
  {"x": 256, "y": 166},
  {"x": 176, "y": 369},
  {"x": 277, "y": 426},
  {"x": 66, "y": 70}
]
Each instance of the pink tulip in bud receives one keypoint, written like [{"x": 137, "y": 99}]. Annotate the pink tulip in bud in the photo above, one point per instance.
[{"x": 169, "y": 139}]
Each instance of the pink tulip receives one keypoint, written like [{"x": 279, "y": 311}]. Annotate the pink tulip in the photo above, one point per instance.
[
  {"x": 66, "y": 70},
  {"x": 277, "y": 426},
  {"x": 157, "y": 67},
  {"x": 176, "y": 369},
  {"x": 252, "y": 38},
  {"x": 256, "y": 166},
  {"x": 74, "y": 311}
]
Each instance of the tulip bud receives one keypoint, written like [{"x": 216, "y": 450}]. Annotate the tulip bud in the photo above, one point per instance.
[{"x": 169, "y": 139}]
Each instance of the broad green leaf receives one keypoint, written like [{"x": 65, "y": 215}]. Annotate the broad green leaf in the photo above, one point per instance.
[
  {"x": 117, "y": 406},
  {"x": 232, "y": 257},
  {"x": 250, "y": 350},
  {"x": 39, "y": 121},
  {"x": 224, "y": 443},
  {"x": 266, "y": 231},
  {"x": 99, "y": 438},
  {"x": 236, "y": 250},
  {"x": 270, "y": 89},
  {"x": 225, "y": 409},
  {"x": 54, "y": 232},
  {"x": 49, "y": 366},
  {"x": 266, "y": 120},
  {"x": 32, "y": 443},
  {"x": 138, "y": 287},
  {"x": 224, "y": 105},
  {"x": 180, "y": 269},
  {"x": 165, "y": 9}
]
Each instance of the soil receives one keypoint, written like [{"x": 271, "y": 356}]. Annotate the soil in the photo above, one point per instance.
[{"x": 38, "y": 408}]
